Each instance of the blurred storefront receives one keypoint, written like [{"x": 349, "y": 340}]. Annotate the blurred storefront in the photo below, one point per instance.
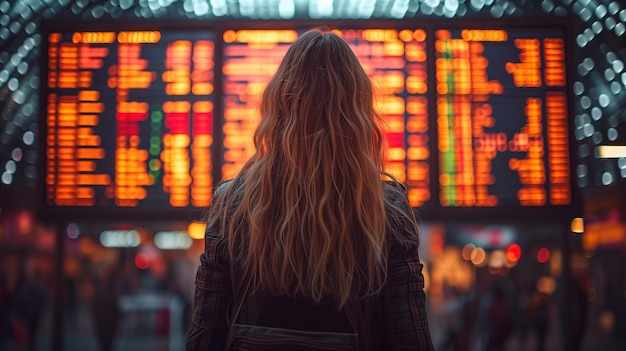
[{"x": 604, "y": 242}]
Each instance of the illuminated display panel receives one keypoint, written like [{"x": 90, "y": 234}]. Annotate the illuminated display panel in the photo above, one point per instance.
[
  {"x": 251, "y": 57},
  {"x": 394, "y": 59},
  {"x": 128, "y": 116},
  {"x": 502, "y": 121},
  {"x": 129, "y": 119}
]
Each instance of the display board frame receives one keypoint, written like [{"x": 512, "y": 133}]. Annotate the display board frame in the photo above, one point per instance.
[{"x": 432, "y": 210}]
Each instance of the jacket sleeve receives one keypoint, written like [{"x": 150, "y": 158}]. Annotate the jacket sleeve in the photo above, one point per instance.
[
  {"x": 404, "y": 301},
  {"x": 213, "y": 294}
]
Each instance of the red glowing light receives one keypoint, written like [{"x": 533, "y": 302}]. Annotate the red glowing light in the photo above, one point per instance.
[
  {"x": 543, "y": 255},
  {"x": 25, "y": 222},
  {"x": 142, "y": 261},
  {"x": 513, "y": 253}
]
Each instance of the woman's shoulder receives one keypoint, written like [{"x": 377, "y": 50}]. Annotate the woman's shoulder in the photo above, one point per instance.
[
  {"x": 223, "y": 185},
  {"x": 226, "y": 189},
  {"x": 394, "y": 191},
  {"x": 396, "y": 198},
  {"x": 402, "y": 219}
]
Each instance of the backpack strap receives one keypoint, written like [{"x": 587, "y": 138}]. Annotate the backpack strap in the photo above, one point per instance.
[
  {"x": 354, "y": 312},
  {"x": 362, "y": 322},
  {"x": 239, "y": 295}
]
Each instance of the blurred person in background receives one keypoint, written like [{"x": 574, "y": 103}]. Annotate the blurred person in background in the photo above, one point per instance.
[
  {"x": 460, "y": 333},
  {"x": 31, "y": 301},
  {"x": 619, "y": 330},
  {"x": 309, "y": 221},
  {"x": 500, "y": 319},
  {"x": 578, "y": 310},
  {"x": 6, "y": 301},
  {"x": 105, "y": 307},
  {"x": 495, "y": 319},
  {"x": 538, "y": 318}
]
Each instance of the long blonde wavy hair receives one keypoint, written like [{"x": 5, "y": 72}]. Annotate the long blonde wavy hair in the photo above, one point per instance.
[{"x": 306, "y": 215}]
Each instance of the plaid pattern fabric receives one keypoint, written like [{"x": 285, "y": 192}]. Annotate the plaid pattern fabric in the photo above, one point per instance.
[
  {"x": 404, "y": 301},
  {"x": 213, "y": 294},
  {"x": 400, "y": 321}
]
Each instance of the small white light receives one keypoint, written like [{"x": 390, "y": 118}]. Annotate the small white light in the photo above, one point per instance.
[
  {"x": 72, "y": 230},
  {"x": 607, "y": 178},
  {"x": 10, "y": 166},
  {"x": 7, "y": 178},
  {"x": 604, "y": 100},
  {"x": 28, "y": 138},
  {"x": 611, "y": 134}
]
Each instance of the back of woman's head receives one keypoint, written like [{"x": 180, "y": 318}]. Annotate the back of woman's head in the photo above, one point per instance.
[
  {"x": 306, "y": 215},
  {"x": 319, "y": 91}
]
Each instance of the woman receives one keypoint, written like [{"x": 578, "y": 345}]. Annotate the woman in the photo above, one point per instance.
[{"x": 308, "y": 230}]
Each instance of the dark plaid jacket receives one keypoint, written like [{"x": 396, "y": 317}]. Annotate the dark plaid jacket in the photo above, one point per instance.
[{"x": 393, "y": 320}]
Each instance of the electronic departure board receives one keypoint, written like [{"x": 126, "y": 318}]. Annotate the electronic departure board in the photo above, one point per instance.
[
  {"x": 394, "y": 59},
  {"x": 502, "y": 120},
  {"x": 475, "y": 117},
  {"x": 129, "y": 118},
  {"x": 251, "y": 57}
]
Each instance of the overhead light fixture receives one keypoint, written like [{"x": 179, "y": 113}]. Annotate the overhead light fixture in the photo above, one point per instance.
[{"x": 611, "y": 151}]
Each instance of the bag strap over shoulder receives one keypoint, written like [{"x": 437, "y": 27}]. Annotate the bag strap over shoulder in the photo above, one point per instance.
[
  {"x": 362, "y": 323},
  {"x": 353, "y": 311},
  {"x": 359, "y": 320},
  {"x": 239, "y": 294}
]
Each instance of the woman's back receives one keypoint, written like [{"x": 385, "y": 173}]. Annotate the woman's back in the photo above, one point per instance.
[
  {"x": 308, "y": 226},
  {"x": 308, "y": 215}
]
